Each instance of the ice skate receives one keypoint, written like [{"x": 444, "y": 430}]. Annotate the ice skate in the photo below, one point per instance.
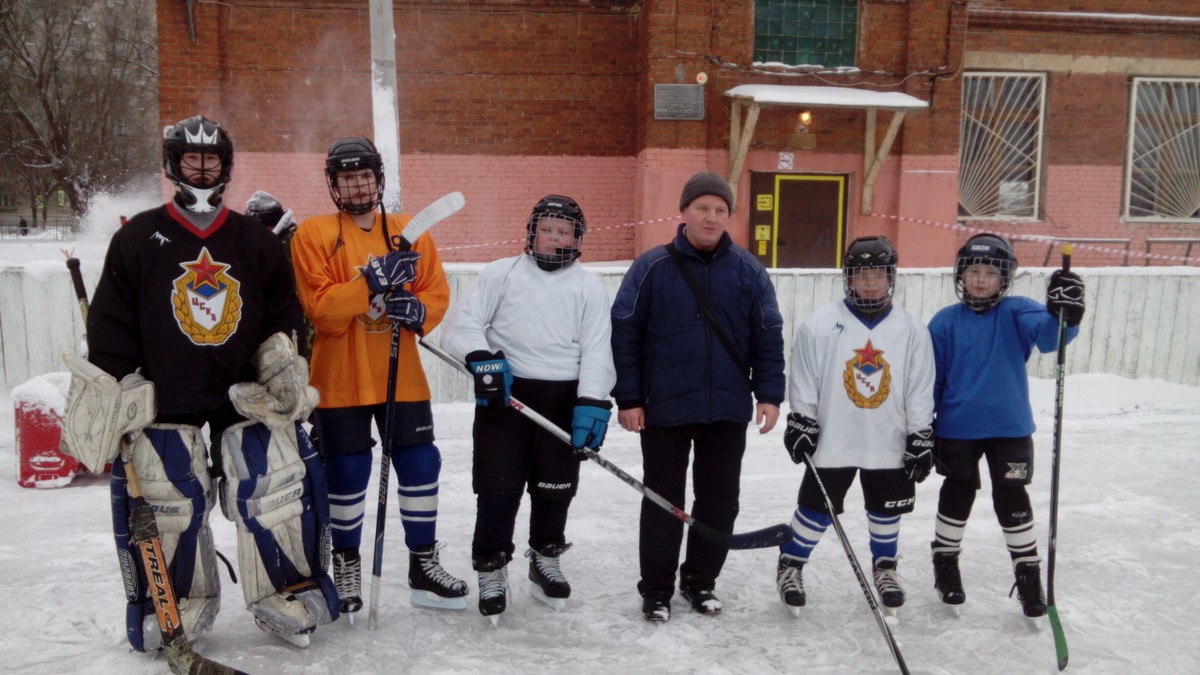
[
  {"x": 789, "y": 581},
  {"x": 493, "y": 586},
  {"x": 432, "y": 586},
  {"x": 947, "y": 579},
  {"x": 347, "y": 579},
  {"x": 1028, "y": 586},
  {"x": 292, "y": 614},
  {"x": 891, "y": 594},
  {"x": 550, "y": 586}
]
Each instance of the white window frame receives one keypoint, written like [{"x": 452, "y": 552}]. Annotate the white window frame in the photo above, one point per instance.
[
  {"x": 1168, "y": 172},
  {"x": 981, "y": 187}
]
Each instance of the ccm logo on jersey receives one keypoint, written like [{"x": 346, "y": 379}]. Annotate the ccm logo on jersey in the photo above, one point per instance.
[{"x": 899, "y": 503}]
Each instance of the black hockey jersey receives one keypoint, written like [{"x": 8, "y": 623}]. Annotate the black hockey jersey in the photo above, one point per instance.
[{"x": 188, "y": 306}]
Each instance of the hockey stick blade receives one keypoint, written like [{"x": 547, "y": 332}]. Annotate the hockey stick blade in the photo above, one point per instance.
[
  {"x": 441, "y": 209},
  {"x": 764, "y": 538}
]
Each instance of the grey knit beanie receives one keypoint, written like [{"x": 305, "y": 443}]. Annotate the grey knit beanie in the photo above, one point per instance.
[{"x": 706, "y": 183}]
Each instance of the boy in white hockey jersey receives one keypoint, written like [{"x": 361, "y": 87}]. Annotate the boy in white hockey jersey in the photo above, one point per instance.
[
  {"x": 861, "y": 395},
  {"x": 537, "y": 325}
]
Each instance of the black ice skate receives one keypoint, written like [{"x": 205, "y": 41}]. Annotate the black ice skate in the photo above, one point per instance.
[
  {"x": 789, "y": 581},
  {"x": 493, "y": 586},
  {"x": 946, "y": 577},
  {"x": 347, "y": 579},
  {"x": 887, "y": 582},
  {"x": 549, "y": 584},
  {"x": 1028, "y": 586},
  {"x": 432, "y": 586}
]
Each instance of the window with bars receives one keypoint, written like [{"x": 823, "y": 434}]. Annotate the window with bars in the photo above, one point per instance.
[
  {"x": 1000, "y": 145},
  {"x": 806, "y": 32},
  {"x": 1162, "y": 171}
]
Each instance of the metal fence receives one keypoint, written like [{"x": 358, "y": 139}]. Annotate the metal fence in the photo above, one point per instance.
[{"x": 53, "y": 229}]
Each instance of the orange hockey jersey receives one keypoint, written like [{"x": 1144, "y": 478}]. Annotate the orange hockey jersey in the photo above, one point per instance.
[{"x": 350, "y": 356}]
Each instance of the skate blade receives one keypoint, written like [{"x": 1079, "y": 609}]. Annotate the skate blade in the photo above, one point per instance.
[
  {"x": 554, "y": 603},
  {"x": 953, "y": 610},
  {"x": 495, "y": 619},
  {"x": 300, "y": 640},
  {"x": 795, "y": 611},
  {"x": 430, "y": 600},
  {"x": 351, "y": 617},
  {"x": 890, "y": 617},
  {"x": 1035, "y": 623}
]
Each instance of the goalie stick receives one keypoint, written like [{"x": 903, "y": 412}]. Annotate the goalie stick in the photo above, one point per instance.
[
  {"x": 143, "y": 528},
  {"x": 764, "y": 538},
  {"x": 431, "y": 215},
  {"x": 1060, "y": 638}
]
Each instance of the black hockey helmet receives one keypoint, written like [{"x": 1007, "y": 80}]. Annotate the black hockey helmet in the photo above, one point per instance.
[
  {"x": 354, "y": 154},
  {"x": 563, "y": 208},
  {"x": 985, "y": 249},
  {"x": 869, "y": 253},
  {"x": 192, "y": 135}
]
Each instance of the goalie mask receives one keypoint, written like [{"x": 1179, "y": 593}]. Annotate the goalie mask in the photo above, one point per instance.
[
  {"x": 198, "y": 159},
  {"x": 984, "y": 249},
  {"x": 354, "y": 173},
  {"x": 554, "y": 233},
  {"x": 870, "y": 292}
]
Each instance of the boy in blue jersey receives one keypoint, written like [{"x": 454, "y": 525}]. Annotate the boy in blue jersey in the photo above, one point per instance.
[{"x": 981, "y": 401}]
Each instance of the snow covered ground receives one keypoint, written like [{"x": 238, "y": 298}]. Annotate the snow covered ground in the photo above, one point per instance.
[{"x": 1126, "y": 584}]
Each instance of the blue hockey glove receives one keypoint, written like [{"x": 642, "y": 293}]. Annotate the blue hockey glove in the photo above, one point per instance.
[
  {"x": 391, "y": 270},
  {"x": 589, "y": 424},
  {"x": 800, "y": 436},
  {"x": 918, "y": 455},
  {"x": 406, "y": 310},
  {"x": 1065, "y": 293},
  {"x": 493, "y": 378}
]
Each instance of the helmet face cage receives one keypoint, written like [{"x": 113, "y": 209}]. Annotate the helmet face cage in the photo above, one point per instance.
[
  {"x": 351, "y": 156},
  {"x": 561, "y": 208},
  {"x": 197, "y": 135},
  {"x": 984, "y": 249},
  {"x": 867, "y": 253}
]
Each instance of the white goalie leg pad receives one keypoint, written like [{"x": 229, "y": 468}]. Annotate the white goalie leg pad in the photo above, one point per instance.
[
  {"x": 172, "y": 468},
  {"x": 100, "y": 411},
  {"x": 276, "y": 495}
]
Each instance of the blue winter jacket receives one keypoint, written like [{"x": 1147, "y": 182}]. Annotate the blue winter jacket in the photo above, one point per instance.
[{"x": 668, "y": 359}]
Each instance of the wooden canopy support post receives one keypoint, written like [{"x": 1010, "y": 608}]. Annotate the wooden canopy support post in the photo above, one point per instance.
[
  {"x": 739, "y": 138},
  {"x": 872, "y": 160}
]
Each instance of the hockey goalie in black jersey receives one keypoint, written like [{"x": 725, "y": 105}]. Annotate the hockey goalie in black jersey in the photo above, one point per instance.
[{"x": 195, "y": 315}]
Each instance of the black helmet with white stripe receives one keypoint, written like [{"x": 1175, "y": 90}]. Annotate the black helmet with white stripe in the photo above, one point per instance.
[{"x": 866, "y": 253}]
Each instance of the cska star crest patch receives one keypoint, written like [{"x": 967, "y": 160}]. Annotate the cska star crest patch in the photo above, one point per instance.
[
  {"x": 208, "y": 304},
  {"x": 868, "y": 377},
  {"x": 376, "y": 319}
]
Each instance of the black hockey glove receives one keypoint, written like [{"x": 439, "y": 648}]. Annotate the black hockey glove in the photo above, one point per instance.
[
  {"x": 493, "y": 378},
  {"x": 800, "y": 436},
  {"x": 918, "y": 455},
  {"x": 589, "y": 424},
  {"x": 1065, "y": 293},
  {"x": 391, "y": 270},
  {"x": 406, "y": 310}
]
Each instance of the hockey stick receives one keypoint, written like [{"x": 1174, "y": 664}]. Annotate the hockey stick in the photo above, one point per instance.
[
  {"x": 429, "y": 216},
  {"x": 764, "y": 538},
  {"x": 858, "y": 571},
  {"x": 143, "y": 530},
  {"x": 1060, "y": 638}
]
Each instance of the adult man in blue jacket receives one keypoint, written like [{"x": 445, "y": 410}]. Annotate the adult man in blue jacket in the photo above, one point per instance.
[{"x": 683, "y": 386}]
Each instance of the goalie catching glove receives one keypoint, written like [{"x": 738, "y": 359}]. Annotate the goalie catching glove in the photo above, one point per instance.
[
  {"x": 100, "y": 411},
  {"x": 281, "y": 395}
]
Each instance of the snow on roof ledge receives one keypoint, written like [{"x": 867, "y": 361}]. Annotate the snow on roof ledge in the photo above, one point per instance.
[{"x": 828, "y": 97}]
